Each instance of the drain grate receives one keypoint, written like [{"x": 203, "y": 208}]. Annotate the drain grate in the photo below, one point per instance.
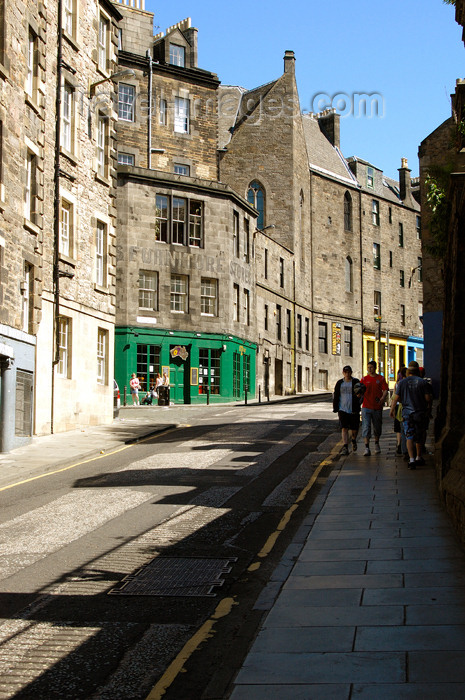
[{"x": 169, "y": 576}]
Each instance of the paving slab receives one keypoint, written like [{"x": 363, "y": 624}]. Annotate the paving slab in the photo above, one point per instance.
[
  {"x": 412, "y": 638},
  {"x": 409, "y": 691},
  {"x": 323, "y": 668},
  {"x": 417, "y": 566},
  {"x": 454, "y": 595},
  {"x": 311, "y": 691},
  {"x": 312, "y": 554},
  {"x": 335, "y": 616},
  {"x": 305, "y": 639},
  {"x": 372, "y": 581},
  {"x": 436, "y": 666},
  {"x": 373, "y": 607}
]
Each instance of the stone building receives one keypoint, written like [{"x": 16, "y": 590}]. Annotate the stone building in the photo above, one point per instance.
[
  {"x": 391, "y": 268},
  {"x": 351, "y": 236},
  {"x": 57, "y": 216},
  {"x": 185, "y": 276},
  {"x": 443, "y": 152},
  {"x": 437, "y": 154}
]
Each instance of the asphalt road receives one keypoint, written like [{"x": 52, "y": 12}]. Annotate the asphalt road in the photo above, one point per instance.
[{"x": 86, "y": 610}]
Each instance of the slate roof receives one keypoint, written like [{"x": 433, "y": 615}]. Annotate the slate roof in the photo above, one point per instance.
[{"x": 322, "y": 155}]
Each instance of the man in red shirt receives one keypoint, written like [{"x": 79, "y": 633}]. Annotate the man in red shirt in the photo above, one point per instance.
[{"x": 372, "y": 406}]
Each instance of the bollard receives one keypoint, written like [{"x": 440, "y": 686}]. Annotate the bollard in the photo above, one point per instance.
[
  {"x": 246, "y": 388},
  {"x": 125, "y": 396},
  {"x": 208, "y": 395}
]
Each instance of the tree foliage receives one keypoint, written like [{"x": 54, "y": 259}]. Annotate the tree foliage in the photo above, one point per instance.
[{"x": 437, "y": 186}]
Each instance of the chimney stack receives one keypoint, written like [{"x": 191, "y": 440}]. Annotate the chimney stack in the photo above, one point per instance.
[
  {"x": 289, "y": 62},
  {"x": 404, "y": 182},
  {"x": 329, "y": 122}
]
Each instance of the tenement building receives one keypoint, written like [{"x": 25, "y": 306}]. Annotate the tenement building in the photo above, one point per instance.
[
  {"x": 185, "y": 275},
  {"x": 57, "y": 216},
  {"x": 346, "y": 242},
  {"x": 252, "y": 256}
]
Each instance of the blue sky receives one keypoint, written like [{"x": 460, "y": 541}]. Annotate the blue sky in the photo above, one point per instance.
[{"x": 408, "y": 52}]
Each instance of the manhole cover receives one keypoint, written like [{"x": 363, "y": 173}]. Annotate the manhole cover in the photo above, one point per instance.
[{"x": 169, "y": 576}]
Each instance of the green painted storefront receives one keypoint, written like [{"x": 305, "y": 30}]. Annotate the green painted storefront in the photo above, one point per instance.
[{"x": 194, "y": 361}]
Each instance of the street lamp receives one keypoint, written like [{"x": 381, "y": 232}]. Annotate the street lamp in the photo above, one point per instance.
[{"x": 126, "y": 73}]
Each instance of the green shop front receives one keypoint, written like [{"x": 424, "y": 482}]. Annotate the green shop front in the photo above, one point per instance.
[{"x": 200, "y": 366}]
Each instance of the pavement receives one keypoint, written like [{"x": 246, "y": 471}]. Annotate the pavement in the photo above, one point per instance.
[{"x": 371, "y": 594}]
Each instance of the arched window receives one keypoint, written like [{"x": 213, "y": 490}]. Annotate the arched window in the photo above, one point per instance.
[
  {"x": 347, "y": 212},
  {"x": 349, "y": 275},
  {"x": 256, "y": 196}
]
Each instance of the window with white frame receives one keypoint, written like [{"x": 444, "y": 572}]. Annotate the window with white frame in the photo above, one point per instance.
[
  {"x": 101, "y": 145},
  {"x": 181, "y": 169},
  {"x": 148, "y": 290},
  {"x": 246, "y": 307},
  {"x": 163, "y": 111},
  {"x": 307, "y": 334},
  {"x": 102, "y": 356},
  {"x": 126, "y": 100},
  {"x": 179, "y": 299},
  {"x": 32, "y": 64},
  {"x": 103, "y": 42},
  {"x": 370, "y": 177},
  {"x": 64, "y": 347},
  {"x": 69, "y": 17},
  {"x": 181, "y": 115},
  {"x": 178, "y": 220},
  {"x": 125, "y": 158},
  {"x": 66, "y": 228},
  {"x": 26, "y": 291},
  {"x": 375, "y": 212},
  {"x": 195, "y": 223},
  {"x": 177, "y": 55},
  {"x": 246, "y": 241},
  {"x": 208, "y": 297},
  {"x": 100, "y": 253},
  {"x": 235, "y": 302},
  {"x": 236, "y": 240},
  {"x": 377, "y": 256},
  {"x": 31, "y": 185},
  {"x": 67, "y": 122},
  {"x": 377, "y": 303}
]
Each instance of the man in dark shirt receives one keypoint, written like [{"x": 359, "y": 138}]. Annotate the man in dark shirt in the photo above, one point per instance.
[{"x": 415, "y": 396}]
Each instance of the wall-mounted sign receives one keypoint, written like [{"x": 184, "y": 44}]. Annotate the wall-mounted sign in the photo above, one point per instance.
[
  {"x": 194, "y": 376},
  {"x": 179, "y": 351},
  {"x": 336, "y": 338}
]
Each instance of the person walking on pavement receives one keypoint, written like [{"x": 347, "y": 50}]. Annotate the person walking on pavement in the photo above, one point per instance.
[
  {"x": 347, "y": 404},
  {"x": 376, "y": 390},
  {"x": 414, "y": 393},
  {"x": 134, "y": 383}
]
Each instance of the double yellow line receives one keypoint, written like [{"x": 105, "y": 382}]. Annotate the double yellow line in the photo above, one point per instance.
[
  {"x": 225, "y": 606},
  {"x": 86, "y": 461}
]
